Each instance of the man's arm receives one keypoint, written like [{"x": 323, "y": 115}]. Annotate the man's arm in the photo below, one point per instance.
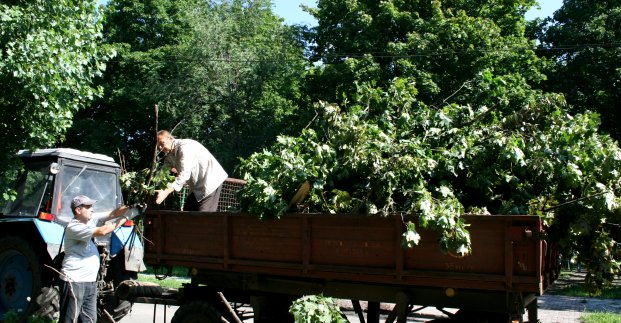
[
  {"x": 109, "y": 227},
  {"x": 107, "y": 216},
  {"x": 187, "y": 159},
  {"x": 118, "y": 212},
  {"x": 184, "y": 167}
]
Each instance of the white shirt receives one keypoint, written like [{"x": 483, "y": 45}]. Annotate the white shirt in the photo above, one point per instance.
[
  {"x": 81, "y": 262},
  {"x": 195, "y": 166}
]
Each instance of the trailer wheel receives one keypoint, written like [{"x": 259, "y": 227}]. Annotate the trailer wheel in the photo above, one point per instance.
[
  {"x": 481, "y": 316},
  {"x": 197, "y": 312},
  {"x": 20, "y": 276}
]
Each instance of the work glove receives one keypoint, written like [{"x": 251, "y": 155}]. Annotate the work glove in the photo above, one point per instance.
[{"x": 135, "y": 210}]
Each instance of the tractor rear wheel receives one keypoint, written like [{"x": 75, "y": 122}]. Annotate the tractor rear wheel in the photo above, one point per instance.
[{"x": 20, "y": 277}]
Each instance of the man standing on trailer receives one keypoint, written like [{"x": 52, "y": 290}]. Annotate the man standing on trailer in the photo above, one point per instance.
[{"x": 197, "y": 167}]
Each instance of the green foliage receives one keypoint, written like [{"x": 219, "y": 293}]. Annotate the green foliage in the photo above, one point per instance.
[
  {"x": 601, "y": 318},
  {"x": 389, "y": 152},
  {"x": 49, "y": 58},
  {"x": 480, "y": 139},
  {"x": 169, "y": 282},
  {"x": 581, "y": 290},
  {"x": 225, "y": 73},
  {"x": 146, "y": 35},
  {"x": 440, "y": 44},
  {"x": 242, "y": 85},
  {"x": 12, "y": 316},
  {"x": 410, "y": 236},
  {"x": 139, "y": 186},
  {"x": 146, "y": 25},
  {"x": 586, "y": 57},
  {"x": 316, "y": 309}
]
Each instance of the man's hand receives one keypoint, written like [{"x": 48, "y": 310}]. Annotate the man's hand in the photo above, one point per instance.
[
  {"x": 161, "y": 195},
  {"x": 109, "y": 227}
]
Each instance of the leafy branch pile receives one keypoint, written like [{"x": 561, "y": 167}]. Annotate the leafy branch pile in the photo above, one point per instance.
[
  {"x": 316, "y": 309},
  {"x": 389, "y": 152},
  {"x": 139, "y": 186}
]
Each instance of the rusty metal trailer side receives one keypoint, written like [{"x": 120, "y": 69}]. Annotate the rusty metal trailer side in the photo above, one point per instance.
[{"x": 356, "y": 257}]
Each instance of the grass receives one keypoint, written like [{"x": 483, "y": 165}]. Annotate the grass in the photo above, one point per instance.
[
  {"x": 176, "y": 271},
  {"x": 601, "y": 318},
  {"x": 178, "y": 277},
  {"x": 578, "y": 290},
  {"x": 169, "y": 282},
  {"x": 572, "y": 284}
]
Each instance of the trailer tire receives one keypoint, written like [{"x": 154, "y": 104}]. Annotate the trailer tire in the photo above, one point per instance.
[
  {"x": 20, "y": 276},
  {"x": 481, "y": 316},
  {"x": 197, "y": 312}
]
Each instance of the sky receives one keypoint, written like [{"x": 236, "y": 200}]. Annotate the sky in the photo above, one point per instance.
[{"x": 292, "y": 13}]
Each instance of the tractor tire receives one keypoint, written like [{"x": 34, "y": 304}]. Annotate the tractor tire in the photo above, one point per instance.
[
  {"x": 48, "y": 303},
  {"x": 197, "y": 312},
  {"x": 20, "y": 277},
  {"x": 111, "y": 309}
]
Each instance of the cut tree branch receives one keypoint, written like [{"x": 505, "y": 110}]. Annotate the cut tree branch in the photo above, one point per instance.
[{"x": 573, "y": 201}]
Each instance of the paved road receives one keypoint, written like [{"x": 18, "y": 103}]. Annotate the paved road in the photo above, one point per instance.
[
  {"x": 552, "y": 309},
  {"x": 560, "y": 309}
]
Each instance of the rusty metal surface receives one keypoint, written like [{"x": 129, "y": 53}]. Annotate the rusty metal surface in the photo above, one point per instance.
[{"x": 508, "y": 253}]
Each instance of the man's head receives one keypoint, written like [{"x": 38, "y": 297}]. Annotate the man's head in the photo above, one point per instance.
[
  {"x": 82, "y": 207},
  {"x": 165, "y": 141}
]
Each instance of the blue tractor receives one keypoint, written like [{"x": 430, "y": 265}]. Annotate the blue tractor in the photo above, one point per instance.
[{"x": 32, "y": 226}]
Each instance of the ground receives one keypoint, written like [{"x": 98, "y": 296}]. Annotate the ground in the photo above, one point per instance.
[{"x": 553, "y": 307}]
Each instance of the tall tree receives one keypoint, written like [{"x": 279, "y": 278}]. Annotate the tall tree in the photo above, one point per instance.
[
  {"x": 440, "y": 44},
  {"x": 226, "y": 73},
  {"x": 436, "y": 115},
  {"x": 146, "y": 35},
  {"x": 242, "y": 88},
  {"x": 49, "y": 58},
  {"x": 148, "y": 25},
  {"x": 583, "y": 43}
]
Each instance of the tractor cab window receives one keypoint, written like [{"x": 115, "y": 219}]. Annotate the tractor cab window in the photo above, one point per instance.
[
  {"x": 32, "y": 187},
  {"x": 95, "y": 183}
]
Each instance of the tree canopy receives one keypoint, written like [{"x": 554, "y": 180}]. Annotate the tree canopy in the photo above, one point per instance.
[
  {"x": 431, "y": 110},
  {"x": 582, "y": 41},
  {"x": 438, "y": 44},
  {"x": 49, "y": 58},
  {"x": 225, "y": 73},
  {"x": 435, "y": 108}
]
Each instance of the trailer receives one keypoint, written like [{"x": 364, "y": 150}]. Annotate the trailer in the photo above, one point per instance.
[{"x": 236, "y": 257}]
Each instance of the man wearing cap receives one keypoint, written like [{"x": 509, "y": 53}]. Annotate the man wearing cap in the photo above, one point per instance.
[
  {"x": 197, "y": 167},
  {"x": 78, "y": 285}
]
